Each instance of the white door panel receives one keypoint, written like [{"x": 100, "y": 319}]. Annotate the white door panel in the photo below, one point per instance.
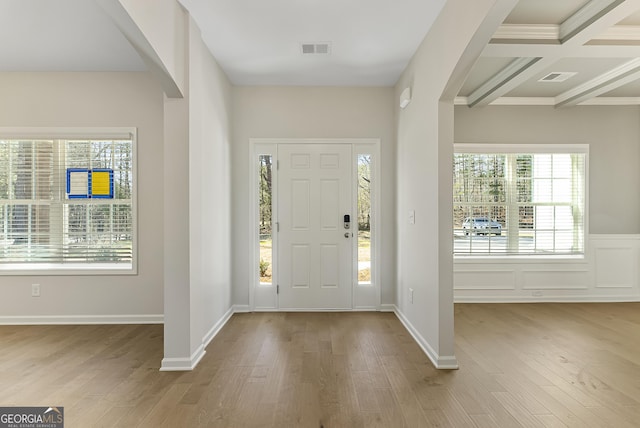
[{"x": 315, "y": 257}]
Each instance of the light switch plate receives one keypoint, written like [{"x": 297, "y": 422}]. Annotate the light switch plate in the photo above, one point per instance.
[{"x": 412, "y": 217}]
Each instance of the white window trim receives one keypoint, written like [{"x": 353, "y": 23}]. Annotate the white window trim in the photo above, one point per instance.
[
  {"x": 372, "y": 150},
  {"x": 507, "y": 148},
  {"x": 74, "y": 269}
]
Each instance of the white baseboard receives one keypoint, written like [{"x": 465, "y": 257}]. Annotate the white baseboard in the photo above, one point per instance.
[
  {"x": 183, "y": 364},
  {"x": 547, "y": 299},
  {"x": 81, "y": 319},
  {"x": 206, "y": 340},
  {"x": 315, "y": 310},
  {"x": 385, "y": 307},
  {"x": 357, "y": 309},
  {"x": 187, "y": 364},
  {"x": 241, "y": 309},
  {"x": 448, "y": 362}
]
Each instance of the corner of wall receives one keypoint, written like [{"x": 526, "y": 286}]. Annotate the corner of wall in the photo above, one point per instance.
[{"x": 441, "y": 362}]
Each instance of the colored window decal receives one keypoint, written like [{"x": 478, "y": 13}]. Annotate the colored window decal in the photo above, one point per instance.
[
  {"x": 78, "y": 183},
  {"x": 102, "y": 183},
  {"x": 85, "y": 183}
]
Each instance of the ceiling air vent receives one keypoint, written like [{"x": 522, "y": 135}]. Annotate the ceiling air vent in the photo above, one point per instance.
[
  {"x": 316, "y": 48},
  {"x": 557, "y": 76}
]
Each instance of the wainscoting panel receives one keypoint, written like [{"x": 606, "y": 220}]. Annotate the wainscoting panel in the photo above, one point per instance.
[
  {"x": 615, "y": 267},
  {"x": 608, "y": 272},
  {"x": 555, "y": 279},
  {"x": 486, "y": 279}
]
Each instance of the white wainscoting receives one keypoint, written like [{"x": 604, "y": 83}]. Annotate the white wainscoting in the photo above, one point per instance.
[{"x": 608, "y": 272}]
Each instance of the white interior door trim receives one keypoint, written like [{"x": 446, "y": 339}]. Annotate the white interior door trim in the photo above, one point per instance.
[{"x": 264, "y": 297}]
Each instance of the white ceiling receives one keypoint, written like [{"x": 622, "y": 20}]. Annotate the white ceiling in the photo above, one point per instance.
[
  {"x": 62, "y": 35},
  {"x": 258, "y": 43}
]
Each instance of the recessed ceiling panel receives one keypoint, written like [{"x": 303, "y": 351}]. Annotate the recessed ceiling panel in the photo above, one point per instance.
[
  {"x": 585, "y": 68},
  {"x": 484, "y": 70},
  {"x": 628, "y": 90},
  {"x": 544, "y": 11},
  {"x": 633, "y": 19}
]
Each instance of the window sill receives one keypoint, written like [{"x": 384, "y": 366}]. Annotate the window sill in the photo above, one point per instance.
[
  {"x": 520, "y": 259},
  {"x": 20, "y": 269}
]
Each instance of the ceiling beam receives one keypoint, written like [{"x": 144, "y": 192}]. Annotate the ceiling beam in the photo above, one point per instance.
[
  {"x": 621, "y": 33},
  {"x": 596, "y": 20},
  {"x": 510, "y": 72},
  {"x": 602, "y": 84},
  {"x": 586, "y": 17},
  {"x": 510, "y": 34},
  {"x": 483, "y": 33},
  {"x": 586, "y": 24},
  {"x": 559, "y": 51},
  {"x": 537, "y": 32},
  {"x": 551, "y": 101}
]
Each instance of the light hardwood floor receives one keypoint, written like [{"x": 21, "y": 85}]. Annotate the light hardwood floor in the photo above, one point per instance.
[{"x": 522, "y": 365}]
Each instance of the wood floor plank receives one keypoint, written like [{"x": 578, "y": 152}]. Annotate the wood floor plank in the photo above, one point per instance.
[
  {"x": 521, "y": 365},
  {"x": 484, "y": 421},
  {"x": 411, "y": 410},
  {"x": 517, "y": 410},
  {"x": 550, "y": 421}
]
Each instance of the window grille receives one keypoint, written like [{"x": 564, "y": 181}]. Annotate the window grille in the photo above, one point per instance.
[
  {"x": 42, "y": 226},
  {"x": 511, "y": 202}
]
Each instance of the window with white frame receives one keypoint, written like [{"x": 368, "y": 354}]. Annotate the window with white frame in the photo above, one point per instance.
[
  {"x": 67, "y": 203},
  {"x": 519, "y": 200}
]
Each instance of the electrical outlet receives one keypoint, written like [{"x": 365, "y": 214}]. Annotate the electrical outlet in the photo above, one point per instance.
[
  {"x": 411, "y": 295},
  {"x": 536, "y": 293},
  {"x": 35, "y": 290}
]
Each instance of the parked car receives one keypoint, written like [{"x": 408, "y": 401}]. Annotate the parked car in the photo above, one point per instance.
[{"x": 481, "y": 226}]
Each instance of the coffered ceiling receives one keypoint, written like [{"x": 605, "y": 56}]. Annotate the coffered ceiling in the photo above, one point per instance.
[{"x": 560, "y": 53}]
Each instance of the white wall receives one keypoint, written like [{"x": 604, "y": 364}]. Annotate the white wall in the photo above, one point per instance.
[
  {"x": 609, "y": 270},
  {"x": 94, "y": 100},
  {"x": 310, "y": 112},
  {"x": 210, "y": 186},
  {"x": 425, "y": 149},
  {"x": 197, "y": 220}
]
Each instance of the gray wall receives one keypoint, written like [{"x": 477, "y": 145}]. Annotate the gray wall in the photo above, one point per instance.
[
  {"x": 311, "y": 112},
  {"x": 95, "y": 100},
  {"x": 613, "y": 135}
]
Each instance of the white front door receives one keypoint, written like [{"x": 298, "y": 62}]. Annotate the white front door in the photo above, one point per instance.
[{"x": 315, "y": 261}]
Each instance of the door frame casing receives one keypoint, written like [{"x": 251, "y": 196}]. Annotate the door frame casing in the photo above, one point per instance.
[{"x": 262, "y": 297}]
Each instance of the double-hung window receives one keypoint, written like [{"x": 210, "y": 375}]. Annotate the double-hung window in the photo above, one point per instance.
[
  {"x": 67, "y": 201},
  {"x": 519, "y": 199}
]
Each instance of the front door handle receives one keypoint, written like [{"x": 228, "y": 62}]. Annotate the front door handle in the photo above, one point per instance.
[{"x": 346, "y": 235}]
